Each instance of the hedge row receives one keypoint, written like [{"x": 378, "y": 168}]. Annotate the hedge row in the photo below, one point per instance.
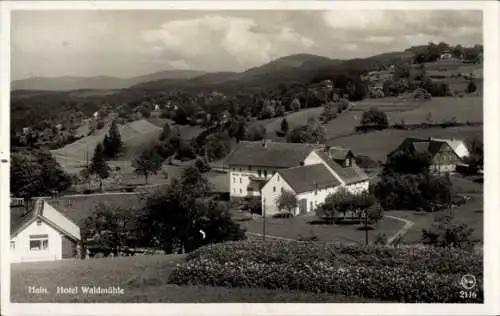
[{"x": 393, "y": 274}]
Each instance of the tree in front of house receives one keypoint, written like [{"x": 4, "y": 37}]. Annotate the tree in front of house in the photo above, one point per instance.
[
  {"x": 112, "y": 143},
  {"x": 344, "y": 204},
  {"x": 147, "y": 163},
  {"x": 98, "y": 165},
  {"x": 374, "y": 119},
  {"x": 35, "y": 172},
  {"x": 256, "y": 132},
  {"x": 288, "y": 201},
  {"x": 175, "y": 216},
  {"x": 471, "y": 86},
  {"x": 407, "y": 162},
  {"x": 284, "y": 126},
  {"x": 110, "y": 230},
  {"x": 476, "y": 154},
  {"x": 445, "y": 233}
]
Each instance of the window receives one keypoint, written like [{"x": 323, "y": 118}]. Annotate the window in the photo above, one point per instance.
[
  {"x": 249, "y": 168},
  {"x": 240, "y": 180},
  {"x": 240, "y": 191},
  {"x": 234, "y": 179},
  {"x": 278, "y": 178},
  {"x": 240, "y": 169},
  {"x": 265, "y": 173},
  {"x": 282, "y": 190},
  {"x": 39, "y": 242},
  {"x": 260, "y": 173},
  {"x": 315, "y": 192},
  {"x": 274, "y": 189},
  {"x": 38, "y": 222},
  {"x": 12, "y": 245}
]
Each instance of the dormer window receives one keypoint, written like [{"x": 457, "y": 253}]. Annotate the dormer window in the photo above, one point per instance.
[{"x": 348, "y": 162}]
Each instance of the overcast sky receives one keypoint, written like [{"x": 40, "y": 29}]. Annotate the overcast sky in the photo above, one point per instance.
[{"x": 130, "y": 43}]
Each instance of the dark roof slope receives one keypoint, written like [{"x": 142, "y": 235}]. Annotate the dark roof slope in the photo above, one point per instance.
[
  {"x": 308, "y": 178},
  {"x": 77, "y": 209},
  {"x": 349, "y": 175},
  {"x": 19, "y": 217},
  {"x": 422, "y": 145},
  {"x": 272, "y": 154}
]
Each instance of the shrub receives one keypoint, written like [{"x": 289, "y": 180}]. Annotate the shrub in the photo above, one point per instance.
[
  {"x": 202, "y": 165},
  {"x": 405, "y": 274}
]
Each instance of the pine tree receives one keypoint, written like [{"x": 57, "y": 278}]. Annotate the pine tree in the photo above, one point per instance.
[
  {"x": 106, "y": 144},
  {"x": 284, "y": 125},
  {"x": 114, "y": 145},
  {"x": 98, "y": 166}
]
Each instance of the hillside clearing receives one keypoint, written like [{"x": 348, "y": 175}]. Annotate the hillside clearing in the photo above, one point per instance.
[
  {"x": 398, "y": 109},
  {"x": 134, "y": 136}
]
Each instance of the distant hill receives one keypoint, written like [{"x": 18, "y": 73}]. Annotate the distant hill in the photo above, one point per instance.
[
  {"x": 97, "y": 83},
  {"x": 289, "y": 69}
]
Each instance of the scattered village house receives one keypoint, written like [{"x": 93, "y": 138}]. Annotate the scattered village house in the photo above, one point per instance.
[
  {"x": 445, "y": 158},
  {"x": 42, "y": 234},
  {"x": 311, "y": 172}
]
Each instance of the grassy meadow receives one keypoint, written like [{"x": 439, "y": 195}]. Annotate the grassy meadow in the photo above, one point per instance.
[{"x": 144, "y": 280}]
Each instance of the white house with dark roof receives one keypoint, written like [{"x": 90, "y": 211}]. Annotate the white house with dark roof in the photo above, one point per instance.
[
  {"x": 311, "y": 172},
  {"x": 42, "y": 234},
  {"x": 252, "y": 164}
]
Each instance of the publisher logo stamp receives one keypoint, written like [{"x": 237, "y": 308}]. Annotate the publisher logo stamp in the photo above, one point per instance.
[{"x": 468, "y": 281}]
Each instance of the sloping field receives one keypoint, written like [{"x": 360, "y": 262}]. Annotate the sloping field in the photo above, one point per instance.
[
  {"x": 134, "y": 135},
  {"x": 463, "y": 109},
  {"x": 378, "y": 144}
]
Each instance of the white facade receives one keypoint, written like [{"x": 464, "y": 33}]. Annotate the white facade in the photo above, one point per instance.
[
  {"x": 461, "y": 150},
  {"x": 37, "y": 242},
  {"x": 271, "y": 191},
  {"x": 313, "y": 199},
  {"x": 240, "y": 178}
]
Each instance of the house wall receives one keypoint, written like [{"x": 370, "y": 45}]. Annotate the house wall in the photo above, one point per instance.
[
  {"x": 22, "y": 252},
  {"x": 239, "y": 179},
  {"x": 445, "y": 161},
  {"x": 358, "y": 187},
  {"x": 271, "y": 191},
  {"x": 68, "y": 248},
  {"x": 315, "y": 198}
]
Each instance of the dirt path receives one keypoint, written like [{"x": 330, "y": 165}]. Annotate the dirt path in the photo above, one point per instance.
[{"x": 408, "y": 225}]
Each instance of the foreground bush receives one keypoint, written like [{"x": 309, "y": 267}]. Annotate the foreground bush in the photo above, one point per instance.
[{"x": 396, "y": 274}]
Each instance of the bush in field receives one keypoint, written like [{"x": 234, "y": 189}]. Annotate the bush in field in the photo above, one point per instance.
[
  {"x": 444, "y": 233},
  {"x": 405, "y": 274},
  {"x": 374, "y": 119}
]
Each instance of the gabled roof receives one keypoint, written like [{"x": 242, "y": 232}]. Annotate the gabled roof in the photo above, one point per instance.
[
  {"x": 45, "y": 213},
  {"x": 309, "y": 178},
  {"x": 423, "y": 145},
  {"x": 453, "y": 143},
  {"x": 349, "y": 175},
  {"x": 270, "y": 154}
]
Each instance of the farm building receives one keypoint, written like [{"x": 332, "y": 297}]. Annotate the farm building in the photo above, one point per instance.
[
  {"x": 42, "y": 234},
  {"x": 457, "y": 145},
  {"x": 309, "y": 171},
  {"x": 444, "y": 158}
]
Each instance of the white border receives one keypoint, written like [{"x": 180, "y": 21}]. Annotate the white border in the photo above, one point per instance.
[{"x": 491, "y": 131}]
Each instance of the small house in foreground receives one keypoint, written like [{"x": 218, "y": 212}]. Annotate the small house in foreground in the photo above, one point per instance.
[{"x": 42, "y": 234}]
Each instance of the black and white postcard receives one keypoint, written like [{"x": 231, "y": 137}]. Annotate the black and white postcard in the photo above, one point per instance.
[{"x": 249, "y": 152}]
